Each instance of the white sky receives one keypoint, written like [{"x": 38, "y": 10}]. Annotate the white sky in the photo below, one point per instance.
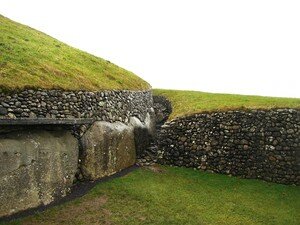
[{"x": 229, "y": 46}]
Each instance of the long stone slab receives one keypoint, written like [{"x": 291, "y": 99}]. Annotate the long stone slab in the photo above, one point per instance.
[{"x": 42, "y": 121}]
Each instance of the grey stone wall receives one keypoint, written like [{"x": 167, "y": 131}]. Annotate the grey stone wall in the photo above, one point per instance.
[
  {"x": 39, "y": 163},
  {"x": 108, "y": 106},
  {"x": 263, "y": 144},
  {"x": 163, "y": 108}
]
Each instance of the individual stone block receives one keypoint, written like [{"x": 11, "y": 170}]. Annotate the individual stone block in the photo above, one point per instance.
[
  {"x": 107, "y": 148},
  {"x": 36, "y": 166}
]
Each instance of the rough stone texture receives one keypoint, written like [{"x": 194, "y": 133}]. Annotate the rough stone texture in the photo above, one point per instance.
[
  {"x": 106, "y": 149},
  {"x": 143, "y": 133},
  {"x": 108, "y": 106},
  {"x": 42, "y": 163},
  {"x": 163, "y": 108},
  {"x": 36, "y": 166},
  {"x": 147, "y": 151},
  {"x": 262, "y": 144}
]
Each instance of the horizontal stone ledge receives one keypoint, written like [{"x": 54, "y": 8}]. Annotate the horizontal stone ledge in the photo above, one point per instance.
[{"x": 43, "y": 121}]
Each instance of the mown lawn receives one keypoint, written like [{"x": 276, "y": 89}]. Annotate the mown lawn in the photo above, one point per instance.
[
  {"x": 190, "y": 102},
  {"x": 32, "y": 59},
  {"x": 166, "y": 195}
]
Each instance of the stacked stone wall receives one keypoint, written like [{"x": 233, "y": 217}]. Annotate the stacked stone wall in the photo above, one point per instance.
[
  {"x": 263, "y": 144},
  {"x": 110, "y": 106}
]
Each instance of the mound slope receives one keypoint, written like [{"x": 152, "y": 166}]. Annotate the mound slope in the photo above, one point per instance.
[{"x": 32, "y": 59}]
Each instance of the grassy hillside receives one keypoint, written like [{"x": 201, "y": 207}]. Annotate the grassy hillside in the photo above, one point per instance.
[
  {"x": 29, "y": 58},
  {"x": 177, "y": 196},
  {"x": 189, "y": 102}
]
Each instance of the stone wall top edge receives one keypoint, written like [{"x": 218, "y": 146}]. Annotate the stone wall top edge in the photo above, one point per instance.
[
  {"x": 45, "y": 121},
  {"x": 72, "y": 91},
  {"x": 245, "y": 110}
]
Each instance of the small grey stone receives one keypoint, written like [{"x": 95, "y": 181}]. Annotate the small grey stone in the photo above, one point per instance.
[
  {"x": 11, "y": 116},
  {"x": 290, "y": 131},
  {"x": 54, "y": 112},
  {"x": 4, "y": 104},
  {"x": 32, "y": 115},
  {"x": 18, "y": 104},
  {"x": 101, "y": 104},
  {"x": 18, "y": 110},
  {"x": 3, "y": 111}
]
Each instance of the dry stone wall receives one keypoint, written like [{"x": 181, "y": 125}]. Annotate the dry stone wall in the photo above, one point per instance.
[
  {"x": 262, "y": 144},
  {"x": 108, "y": 106}
]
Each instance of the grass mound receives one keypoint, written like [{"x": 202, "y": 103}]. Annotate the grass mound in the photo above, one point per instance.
[
  {"x": 190, "y": 102},
  {"x": 178, "y": 196},
  {"x": 32, "y": 59}
]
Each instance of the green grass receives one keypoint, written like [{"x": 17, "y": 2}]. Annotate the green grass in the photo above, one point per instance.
[
  {"x": 32, "y": 59},
  {"x": 190, "y": 102},
  {"x": 178, "y": 196}
]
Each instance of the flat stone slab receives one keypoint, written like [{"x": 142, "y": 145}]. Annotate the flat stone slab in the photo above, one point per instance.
[
  {"x": 36, "y": 167},
  {"x": 43, "y": 121}
]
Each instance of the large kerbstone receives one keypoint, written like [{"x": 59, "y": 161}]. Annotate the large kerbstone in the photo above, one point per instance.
[
  {"x": 106, "y": 149},
  {"x": 36, "y": 166}
]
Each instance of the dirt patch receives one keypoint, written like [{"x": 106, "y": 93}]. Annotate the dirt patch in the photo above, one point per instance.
[
  {"x": 142, "y": 218},
  {"x": 90, "y": 211},
  {"x": 155, "y": 169}
]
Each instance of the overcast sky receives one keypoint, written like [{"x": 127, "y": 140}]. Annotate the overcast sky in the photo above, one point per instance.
[{"x": 229, "y": 46}]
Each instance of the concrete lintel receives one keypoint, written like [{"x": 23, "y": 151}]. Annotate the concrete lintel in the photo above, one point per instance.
[{"x": 44, "y": 121}]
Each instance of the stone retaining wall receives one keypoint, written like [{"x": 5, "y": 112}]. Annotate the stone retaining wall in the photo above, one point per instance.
[
  {"x": 262, "y": 144},
  {"x": 108, "y": 106},
  {"x": 42, "y": 153}
]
